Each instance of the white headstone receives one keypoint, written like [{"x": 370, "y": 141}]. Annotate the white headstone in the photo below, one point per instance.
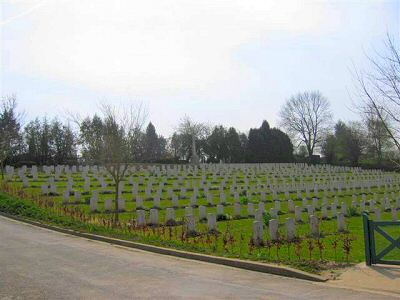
[
  {"x": 314, "y": 225},
  {"x": 139, "y": 202},
  {"x": 202, "y": 213},
  {"x": 156, "y": 202},
  {"x": 341, "y": 222},
  {"x": 211, "y": 222},
  {"x": 291, "y": 229},
  {"x": 93, "y": 204},
  {"x": 191, "y": 224},
  {"x": 154, "y": 216},
  {"x": 273, "y": 229},
  {"x": 291, "y": 206},
  {"x": 121, "y": 204},
  {"x": 250, "y": 209},
  {"x": 258, "y": 232},
  {"x": 141, "y": 217},
  {"x": 220, "y": 210},
  {"x": 108, "y": 205},
  {"x": 298, "y": 214},
  {"x": 237, "y": 210}
]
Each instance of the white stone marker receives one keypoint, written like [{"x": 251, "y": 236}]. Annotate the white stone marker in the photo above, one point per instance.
[
  {"x": 121, "y": 204},
  {"x": 273, "y": 229},
  {"x": 291, "y": 229},
  {"x": 236, "y": 197},
  {"x": 156, "y": 202},
  {"x": 139, "y": 203},
  {"x": 344, "y": 208},
  {"x": 175, "y": 201},
  {"x": 258, "y": 215},
  {"x": 202, "y": 213},
  {"x": 170, "y": 215},
  {"x": 210, "y": 199},
  {"x": 314, "y": 225},
  {"x": 261, "y": 206},
  {"x": 191, "y": 224},
  {"x": 93, "y": 204},
  {"x": 291, "y": 205},
  {"x": 258, "y": 232},
  {"x": 212, "y": 222},
  {"x": 394, "y": 214},
  {"x": 220, "y": 210},
  {"x": 298, "y": 214},
  {"x": 315, "y": 203},
  {"x": 250, "y": 209},
  {"x": 273, "y": 212},
  {"x": 341, "y": 222},
  {"x": 154, "y": 216},
  {"x": 193, "y": 200},
  {"x": 66, "y": 197},
  {"x": 362, "y": 205},
  {"x": 334, "y": 209},
  {"x": 310, "y": 210},
  {"x": 354, "y": 204},
  {"x": 278, "y": 205},
  {"x": 45, "y": 189},
  {"x": 222, "y": 198},
  {"x": 237, "y": 210},
  {"x": 78, "y": 196},
  {"x": 372, "y": 205},
  {"x": 141, "y": 217},
  {"x": 324, "y": 210},
  {"x": 108, "y": 205},
  {"x": 188, "y": 211}
]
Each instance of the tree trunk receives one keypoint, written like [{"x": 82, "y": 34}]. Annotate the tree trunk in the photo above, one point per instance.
[
  {"x": 310, "y": 154},
  {"x": 116, "y": 213},
  {"x": 2, "y": 170}
]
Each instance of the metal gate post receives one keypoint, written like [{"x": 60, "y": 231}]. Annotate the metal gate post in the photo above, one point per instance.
[{"x": 367, "y": 240}]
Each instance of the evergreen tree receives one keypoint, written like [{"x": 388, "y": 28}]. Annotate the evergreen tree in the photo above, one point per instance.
[
  {"x": 234, "y": 146},
  {"x": 268, "y": 145},
  {"x": 10, "y": 135},
  {"x": 91, "y": 138},
  {"x": 151, "y": 144},
  {"x": 216, "y": 147}
]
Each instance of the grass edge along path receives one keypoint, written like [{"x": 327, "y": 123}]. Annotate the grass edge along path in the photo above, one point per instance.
[{"x": 31, "y": 212}]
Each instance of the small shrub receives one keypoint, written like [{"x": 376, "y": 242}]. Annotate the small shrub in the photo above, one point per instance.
[
  {"x": 352, "y": 212},
  {"x": 224, "y": 217},
  {"x": 244, "y": 200},
  {"x": 267, "y": 217}
]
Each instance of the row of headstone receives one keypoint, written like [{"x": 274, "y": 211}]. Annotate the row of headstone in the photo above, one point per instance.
[{"x": 291, "y": 232}]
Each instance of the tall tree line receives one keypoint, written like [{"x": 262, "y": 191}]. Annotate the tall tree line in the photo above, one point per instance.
[{"x": 43, "y": 141}]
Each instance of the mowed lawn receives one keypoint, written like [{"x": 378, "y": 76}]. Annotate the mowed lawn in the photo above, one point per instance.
[{"x": 235, "y": 234}]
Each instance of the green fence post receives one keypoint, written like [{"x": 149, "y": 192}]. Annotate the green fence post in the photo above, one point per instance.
[{"x": 367, "y": 239}]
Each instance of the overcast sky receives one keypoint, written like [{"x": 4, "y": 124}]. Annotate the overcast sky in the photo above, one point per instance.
[{"x": 223, "y": 62}]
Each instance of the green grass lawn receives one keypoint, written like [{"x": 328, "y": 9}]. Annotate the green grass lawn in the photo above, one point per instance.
[{"x": 234, "y": 236}]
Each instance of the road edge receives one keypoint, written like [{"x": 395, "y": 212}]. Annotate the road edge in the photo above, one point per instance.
[{"x": 231, "y": 262}]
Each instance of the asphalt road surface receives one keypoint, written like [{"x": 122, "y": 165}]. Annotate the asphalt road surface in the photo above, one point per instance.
[{"x": 36, "y": 263}]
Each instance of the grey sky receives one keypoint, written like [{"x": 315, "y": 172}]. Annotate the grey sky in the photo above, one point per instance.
[{"x": 229, "y": 62}]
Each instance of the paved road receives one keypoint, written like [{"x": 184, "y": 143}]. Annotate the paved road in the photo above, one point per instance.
[{"x": 37, "y": 263}]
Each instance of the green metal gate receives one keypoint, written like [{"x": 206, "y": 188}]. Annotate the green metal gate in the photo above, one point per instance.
[{"x": 379, "y": 243}]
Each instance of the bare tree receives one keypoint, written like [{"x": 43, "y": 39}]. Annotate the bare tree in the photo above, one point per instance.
[
  {"x": 118, "y": 127},
  {"x": 196, "y": 131},
  {"x": 137, "y": 115},
  {"x": 377, "y": 136},
  {"x": 306, "y": 117},
  {"x": 379, "y": 89},
  {"x": 10, "y": 137}
]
